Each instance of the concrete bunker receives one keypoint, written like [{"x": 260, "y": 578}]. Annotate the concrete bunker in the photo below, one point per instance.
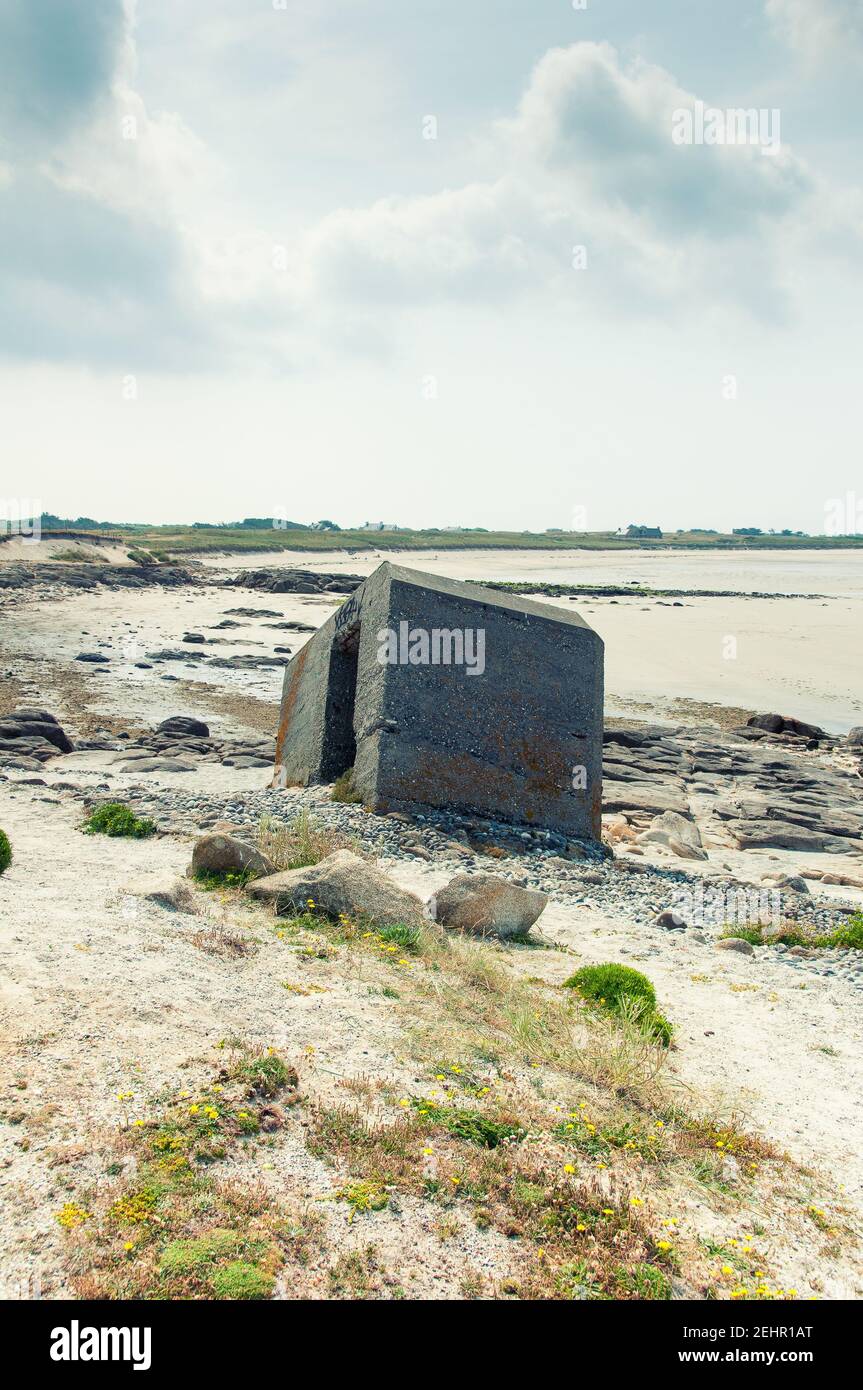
[{"x": 453, "y": 696}]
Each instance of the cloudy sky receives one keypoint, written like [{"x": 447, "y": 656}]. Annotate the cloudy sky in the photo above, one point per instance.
[{"x": 435, "y": 263}]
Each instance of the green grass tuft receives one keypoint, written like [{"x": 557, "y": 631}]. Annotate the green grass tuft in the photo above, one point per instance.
[
  {"x": 193, "y": 1256},
  {"x": 5, "y": 852},
  {"x": 406, "y": 938},
  {"x": 470, "y": 1125},
  {"x": 210, "y": 879},
  {"x": 266, "y": 1074}
]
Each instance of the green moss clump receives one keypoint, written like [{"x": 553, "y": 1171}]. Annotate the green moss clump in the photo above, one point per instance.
[
  {"x": 623, "y": 991},
  {"x": 267, "y": 1074},
  {"x": 241, "y": 1280},
  {"x": 117, "y": 819},
  {"x": 191, "y": 1256},
  {"x": 5, "y": 852},
  {"x": 610, "y": 984}
]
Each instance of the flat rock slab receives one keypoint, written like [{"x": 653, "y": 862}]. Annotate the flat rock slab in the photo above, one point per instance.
[
  {"x": 643, "y": 796},
  {"x": 736, "y": 944},
  {"x": 157, "y": 765},
  {"x": 175, "y": 894},
  {"x": 776, "y": 834},
  {"x": 342, "y": 883}
]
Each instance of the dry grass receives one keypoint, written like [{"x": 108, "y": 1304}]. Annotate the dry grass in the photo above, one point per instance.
[
  {"x": 301, "y": 843},
  {"x": 217, "y": 940}
]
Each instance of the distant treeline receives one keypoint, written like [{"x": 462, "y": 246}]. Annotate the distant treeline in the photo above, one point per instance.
[{"x": 271, "y": 534}]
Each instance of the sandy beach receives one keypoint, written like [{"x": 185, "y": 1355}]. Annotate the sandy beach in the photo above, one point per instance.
[
  {"x": 136, "y": 981},
  {"x": 739, "y": 654}
]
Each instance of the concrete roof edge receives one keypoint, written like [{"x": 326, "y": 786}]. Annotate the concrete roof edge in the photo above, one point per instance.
[{"x": 478, "y": 593}]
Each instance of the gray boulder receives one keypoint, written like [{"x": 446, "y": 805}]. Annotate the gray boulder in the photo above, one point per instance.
[
  {"x": 736, "y": 944},
  {"x": 20, "y": 762},
  {"x": 342, "y": 883},
  {"x": 157, "y": 765},
  {"x": 679, "y": 833},
  {"x": 855, "y": 737},
  {"x": 35, "y": 724},
  {"x": 23, "y": 747},
  {"x": 782, "y": 724},
  {"x": 218, "y": 853},
  {"x": 487, "y": 905},
  {"x": 793, "y": 882},
  {"x": 182, "y": 725}
]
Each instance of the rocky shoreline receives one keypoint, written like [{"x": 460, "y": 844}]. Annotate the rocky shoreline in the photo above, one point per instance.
[
  {"x": 45, "y": 577},
  {"x": 672, "y": 795}
]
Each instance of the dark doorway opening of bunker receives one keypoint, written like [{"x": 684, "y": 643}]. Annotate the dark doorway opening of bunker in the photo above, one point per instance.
[{"x": 340, "y": 741}]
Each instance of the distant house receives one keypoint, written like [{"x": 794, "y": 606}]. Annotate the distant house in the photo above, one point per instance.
[
  {"x": 379, "y": 526},
  {"x": 644, "y": 533}
]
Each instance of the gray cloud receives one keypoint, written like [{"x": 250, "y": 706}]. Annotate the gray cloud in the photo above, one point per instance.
[
  {"x": 607, "y": 128},
  {"x": 56, "y": 62},
  {"x": 81, "y": 281}
]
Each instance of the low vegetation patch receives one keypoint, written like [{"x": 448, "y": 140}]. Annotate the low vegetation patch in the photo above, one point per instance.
[
  {"x": 212, "y": 879},
  {"x": 5, "y": 852},
  {"x": 117, "y": 819},
  {"x": 577, "y": 1241},
  {"x": 77, "y": 555},
  {"x": 847, "y": 937},
  {"x": 625, "y": 992},
  {"x": 344, "y": 789},
  {"x": 301, "y": 842},
  {"x": 170, "y": 1228},
  {"x": 471, "y": 1125}
]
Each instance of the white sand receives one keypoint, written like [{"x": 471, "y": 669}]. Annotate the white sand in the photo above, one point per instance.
[
  {"x": 103, "y": 992},
  {"x": 796, "y": 656}
]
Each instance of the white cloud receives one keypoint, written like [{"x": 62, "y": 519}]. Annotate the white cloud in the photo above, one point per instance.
[
  {"x": 587, "y": 159},
  {"x": 820, "y": 29},
  {"x": 137, "y": 224}
]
